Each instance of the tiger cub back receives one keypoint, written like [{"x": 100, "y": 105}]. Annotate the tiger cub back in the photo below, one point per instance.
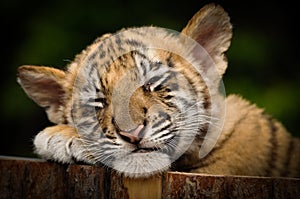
[
  {"x": 147, "y": 100},
  {"x": 252, "y": 143}
]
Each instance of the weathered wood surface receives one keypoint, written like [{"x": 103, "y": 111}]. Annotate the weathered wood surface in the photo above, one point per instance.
[{"x": 33, "y": 178}]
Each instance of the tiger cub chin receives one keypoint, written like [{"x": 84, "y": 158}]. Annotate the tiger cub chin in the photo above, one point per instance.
[{"x": 146, "y": 100}]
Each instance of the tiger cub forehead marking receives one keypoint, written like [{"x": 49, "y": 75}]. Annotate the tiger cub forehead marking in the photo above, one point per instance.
[{"x": 118, "y": 54}]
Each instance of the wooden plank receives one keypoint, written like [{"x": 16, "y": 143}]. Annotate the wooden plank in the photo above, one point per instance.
[
  {"x": 188, "y": 185},
  {"x": 145, "y": 188},
  {"x": 33, "y": 178},
  {"x": 286, "y": 188},
  {"x": 249, "y": 187},
  {"x": 117, "y": 188},
  {"x": 85, "y": 181}
]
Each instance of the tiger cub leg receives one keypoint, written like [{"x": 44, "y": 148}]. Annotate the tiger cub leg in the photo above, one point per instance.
[{"x": 60, "y": 143}]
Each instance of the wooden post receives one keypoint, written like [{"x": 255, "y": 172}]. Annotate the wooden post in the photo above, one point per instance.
[
  {"x": 149, "y": 188},
  {"x": 34, "y": 178}
]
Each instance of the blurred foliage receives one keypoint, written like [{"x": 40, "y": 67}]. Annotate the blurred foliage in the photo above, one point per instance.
[{"x": 263, "y": 65}]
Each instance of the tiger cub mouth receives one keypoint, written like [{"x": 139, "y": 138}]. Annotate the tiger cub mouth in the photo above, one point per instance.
[
  {"x": 136, "y": 139},
  {"x": 144, "y": 150}
]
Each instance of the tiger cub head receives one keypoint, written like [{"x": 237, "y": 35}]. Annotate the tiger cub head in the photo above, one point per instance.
[{"x": 143, "y": 99}]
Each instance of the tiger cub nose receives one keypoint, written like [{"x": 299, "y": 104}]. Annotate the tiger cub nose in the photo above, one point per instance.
[{"x": 133, "y": 136}]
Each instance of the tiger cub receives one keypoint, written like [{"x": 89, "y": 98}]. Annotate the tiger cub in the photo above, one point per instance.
[{"x": 146, "y": 100}]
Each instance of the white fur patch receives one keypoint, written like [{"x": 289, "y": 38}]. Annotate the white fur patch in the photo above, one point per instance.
[{"x": 53, "y": 147}]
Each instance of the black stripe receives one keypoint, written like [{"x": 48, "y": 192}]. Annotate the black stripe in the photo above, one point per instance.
[
  {"x": 159, "y": 123},
  {"x": 170, "y": 76},
  {"x": 142, "y": 63},
  {"x": 135, "y": 43},
  {"x": 164, "y": 116},
  {"x": 187, "y": 104},
  {"x": 206, "y": 161},
  {"x": 288, "y": 156},
  {"x": 135, "y": 52},
  {"x": 102, "y": 45},
  {"x": 94, "y": 66},
  {"x": 168, "y": 97},
  {"x": 111, "y": 46},
  {"x": 93, "y": 56},
  {"x": 164, "y": 134},
  {"x": 195, "y": 85},
  {"x": 170, "y": 104},
  {"x": 160, "y": 130},
  {"x": 273, "y": 149},
  {"x": 170, "y": 62},
  {"x": 102, "y": 54},
  {"x": 119, "y": 42},
  {"x": 153, "y": 79},
  {"x": 206, "y": 101},
  {"x": 155, "y": 65}
]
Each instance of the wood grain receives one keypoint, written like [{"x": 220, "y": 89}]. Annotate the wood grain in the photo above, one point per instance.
[{"x": 34, "y": 178}]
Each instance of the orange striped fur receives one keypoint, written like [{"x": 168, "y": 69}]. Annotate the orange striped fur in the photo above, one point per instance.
[{"x": 146, "y": 100}]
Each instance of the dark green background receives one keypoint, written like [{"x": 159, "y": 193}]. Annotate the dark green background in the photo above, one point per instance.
[{"x": 263, "y": 58}]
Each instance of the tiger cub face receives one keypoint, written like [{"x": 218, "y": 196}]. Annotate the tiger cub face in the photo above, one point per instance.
[{"x": 143, "y": 99}]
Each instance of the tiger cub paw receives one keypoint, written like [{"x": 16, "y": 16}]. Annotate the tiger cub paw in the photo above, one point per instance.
[{"x": 59, "y": 143}]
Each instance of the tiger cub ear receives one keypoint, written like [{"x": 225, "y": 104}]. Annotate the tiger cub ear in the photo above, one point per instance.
[
  {"x": 45, "y": 86},
  {"x": 212, "y": 29}
]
